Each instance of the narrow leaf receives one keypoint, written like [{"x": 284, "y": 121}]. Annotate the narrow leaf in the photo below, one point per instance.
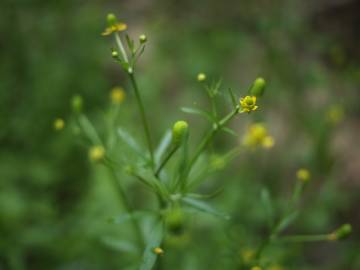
[
  {"x": 89, "y": 130},
  {"x": 130, "y": 141},
  {"x": 232, "y": 97},
  {"x": 164, "y": 144},
  {"x": 267, "y": 203},
  {"x": 204, "y": 207},
  {"x": 149, "y": 256},
  {"x": 230, "y": 131},
  {"x": 286, "y": 222},
  {"x": 198, "y": 112}
]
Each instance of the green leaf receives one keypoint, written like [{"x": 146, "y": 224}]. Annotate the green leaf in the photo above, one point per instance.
[
  {"x": 164, "y": 144},
  {"x": 130, "y": 141},
  {"x": 204, "y": 207},
  {"x": 205, "y": 196},
  {"x": 120, "y": 245},
  {"x": 198, "y": 112},
  {"x": 89, "y": 130},
  {"x": 233, "y": 98},
  {"x": 267, "y": 203},
  {"x": 286, "y": 222},
  {"x": 230, "y": 131},
  {"x": 127, "y": 216},
  {"x": 149, "y": 256}
]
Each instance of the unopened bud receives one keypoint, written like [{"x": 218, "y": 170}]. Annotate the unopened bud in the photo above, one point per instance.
[
  {"x": 77, "y": 103},
  {"x": 258, "y": 87},
  {"x": 201, "y": 77},
  {"x": 142, "y": 38},
  {"x": 111, "y": 19},
  {"x": 96, "y": 153},
  {"x": 114, "y": 54},
  {"x": 179, "y": 131},
  {"x": 341, "y": 233}
]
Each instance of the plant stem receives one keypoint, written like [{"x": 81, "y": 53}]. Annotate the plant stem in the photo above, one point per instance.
[
  {"x": 143, "y": 117},
  {"x": 209, "y": 136},
  {"x": 304, "y": 238},
  {"x": 167, "y": 158},
  {"x": 121, "y": 47},
  {"x": 128, "y": 207}
]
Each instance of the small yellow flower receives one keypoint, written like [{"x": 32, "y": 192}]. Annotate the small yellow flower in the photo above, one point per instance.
[
  {"x": 248, "y": 104},
  {"x": 256, "y": 268},
  {"x": 201, "y": 77},
  {"x": 118, "y": 27},
  {"x": 303, "y": 175},
  {"x": 117, "y": 95},
  {"x": 96, "y": 153},
  {"x": 158, "y": 251},
  {"x": 59, "y": 124},
  {"x": 335, "y": 114},
  {"x": 257, "y": 135},
  {"x": 268, "y": 142},
  {"x": 248, "y": 255}
]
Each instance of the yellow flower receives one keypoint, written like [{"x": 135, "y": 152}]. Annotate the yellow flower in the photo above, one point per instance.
[
  {"x": 257, "y": 135},
  {"x": 118, "y": 27},
  {"x": 96, "y": 153},
  {"x": 201, "y": 77},
  {"x": 256, "y": 268},
  {"x": 117, "y": 95},
  {"x": 247, "y": 255},
  {"x": 158, "y": 251},
  {"x": 248, "y": 104},
  {"x": 335, "y": 114},
  {"x": 59, "y": 124},
  {"x": 303, "y": 175}
]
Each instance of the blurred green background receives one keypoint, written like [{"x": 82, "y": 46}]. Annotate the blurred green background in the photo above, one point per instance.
[{"x": 55, "y": 205}]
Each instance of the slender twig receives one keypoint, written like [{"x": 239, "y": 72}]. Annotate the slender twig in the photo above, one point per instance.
[
  {"x": 304, "y": 238},
  {"x": 143, "y": 117},
  {"x": 209, "y": 136},
  {"x": 166, "y": 159}
]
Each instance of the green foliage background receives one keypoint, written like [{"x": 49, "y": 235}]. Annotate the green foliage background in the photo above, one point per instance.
[{"x": 55, "y": 205}]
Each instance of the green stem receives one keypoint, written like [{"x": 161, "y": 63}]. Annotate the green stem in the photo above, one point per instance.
[
  {"x": 166, "y": 159},
  {"x": 128, "y": 207},
  {"x": 304, "y": 238},
  {"x": 143, "y": 117},
  {"x": 209, "y": 136}
]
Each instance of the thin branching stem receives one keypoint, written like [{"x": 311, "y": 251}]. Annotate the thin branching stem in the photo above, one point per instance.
[{"x": 143, "y": 118}]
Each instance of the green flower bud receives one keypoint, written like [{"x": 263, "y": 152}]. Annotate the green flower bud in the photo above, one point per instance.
[
  {"x": 111, "y": 19},
  {"x": 258, "y": 87},
  {"x": 179, "y": 131},
  {"x": 341, "y": 233},
  {"x": 77, "y": 103},
  {"x": 114, "y": 54},
  {"x": 174, "y": 220},
  {"x": 142, "y": 38}
]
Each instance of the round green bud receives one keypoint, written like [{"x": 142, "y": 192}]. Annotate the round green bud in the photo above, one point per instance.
[
  {"x": 77, "y": 103},
  {"x": 114, "y": 54},
  {"x": 142, "y": 38},
  {"x": 179, "y": 131},
  {"x": 343, "y": 232},
  {"x": 111, "y": 19},
  {"x": 258, "y": 87},
  {"x": 174, "y": 220}
]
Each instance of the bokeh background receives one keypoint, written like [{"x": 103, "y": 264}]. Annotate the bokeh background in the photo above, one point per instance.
[{"x": 55, "y": 204}]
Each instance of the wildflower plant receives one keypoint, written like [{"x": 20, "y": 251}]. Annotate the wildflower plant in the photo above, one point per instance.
[{"x": 175, "y": 187}]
